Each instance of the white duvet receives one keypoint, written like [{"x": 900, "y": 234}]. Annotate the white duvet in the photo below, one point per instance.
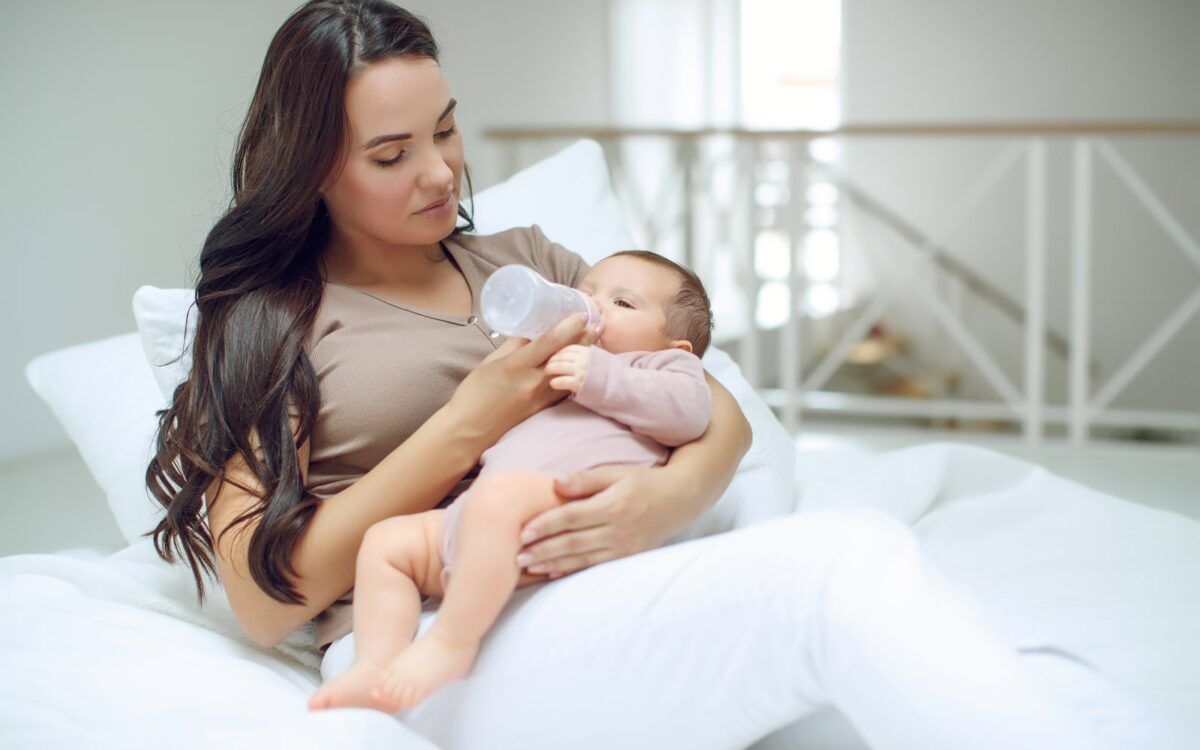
[{"x": 113, "y": 652}]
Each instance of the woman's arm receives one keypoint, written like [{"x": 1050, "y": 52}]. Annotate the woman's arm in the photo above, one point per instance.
[
  {"x": 702, "y": 469},
  {"x": 621, "y": 510},
  {"x": 504, "y": 389},
  {"x": 411, "y": 478}
]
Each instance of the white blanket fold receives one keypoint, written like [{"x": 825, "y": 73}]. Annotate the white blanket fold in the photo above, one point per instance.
[
  {"x": 1060, "y": 570},
  {"x": 114, "y": 652}
]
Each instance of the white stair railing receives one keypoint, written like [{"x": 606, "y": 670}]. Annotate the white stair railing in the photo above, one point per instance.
[{"x": 914, "y": 256}]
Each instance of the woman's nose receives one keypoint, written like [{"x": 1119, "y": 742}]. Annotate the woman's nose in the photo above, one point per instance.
[{"x": 436, "y": 175}]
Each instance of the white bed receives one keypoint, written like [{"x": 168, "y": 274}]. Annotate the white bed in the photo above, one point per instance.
[{"x": 1099, "y": 595}]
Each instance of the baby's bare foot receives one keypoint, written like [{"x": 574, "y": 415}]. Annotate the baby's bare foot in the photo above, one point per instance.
[
  {"x": 435, "y": 659},
  {"x": 351, "y": 688}
]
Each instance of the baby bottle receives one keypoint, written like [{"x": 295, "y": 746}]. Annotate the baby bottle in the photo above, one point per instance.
[{"x": 517, "y": 301}]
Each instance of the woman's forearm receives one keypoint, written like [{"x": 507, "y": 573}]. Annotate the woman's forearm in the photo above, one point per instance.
[
  {"x": 411, "y": 479},
  {"x": 415, "y": 476},
  {"x": 702, "y": 469}
]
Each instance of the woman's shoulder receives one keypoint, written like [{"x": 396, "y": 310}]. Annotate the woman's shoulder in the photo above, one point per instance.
[
  {"x": 338, "y": 304},
  {"x": 515, "y": 245},
  {"x": 527, "y": 246}
]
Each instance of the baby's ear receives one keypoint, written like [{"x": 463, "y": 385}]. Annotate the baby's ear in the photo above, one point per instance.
[{"x": 683, "y": 344}]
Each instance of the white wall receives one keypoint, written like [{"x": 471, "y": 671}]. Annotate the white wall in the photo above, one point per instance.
[
  {"x": 1033, "y": 60},
  {"x": 118, "y": 119},
  {"x": 1036, "y": 59},
  {"x": 116, "y": 129}
]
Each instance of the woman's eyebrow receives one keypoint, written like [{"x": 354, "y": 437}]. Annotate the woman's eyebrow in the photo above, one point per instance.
[{"x": 405, "y": 136}]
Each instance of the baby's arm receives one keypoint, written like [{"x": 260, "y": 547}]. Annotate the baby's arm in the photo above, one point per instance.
[{"x": 662, "y": 394}]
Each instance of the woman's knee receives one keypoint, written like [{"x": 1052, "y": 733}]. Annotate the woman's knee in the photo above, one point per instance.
[
  {"x": 843, "y": 531},
  {"x": 869, "y": 531},
  {"x": 879, "y": 566},
  {"x": 844, "y": 549},
  {"x": 866, "y": 543},
  {"x": 843, "y": 546}
]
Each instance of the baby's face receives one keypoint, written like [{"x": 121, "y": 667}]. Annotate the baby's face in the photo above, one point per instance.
[{"x": 632, "y": 295}]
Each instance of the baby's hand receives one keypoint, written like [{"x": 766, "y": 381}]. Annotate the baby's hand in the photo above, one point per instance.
[{"x": 570, "y": 365}]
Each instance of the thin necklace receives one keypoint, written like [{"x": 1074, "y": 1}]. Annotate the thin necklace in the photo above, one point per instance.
[{"x": 469, "y": 319}]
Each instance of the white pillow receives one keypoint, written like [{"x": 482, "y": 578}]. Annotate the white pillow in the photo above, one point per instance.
[
  {"x": 105, "y": 397},
  {"x": 569, "y": 196},
  {"x": 764, "y": 486},
  {"x": 161, "y": 315}
]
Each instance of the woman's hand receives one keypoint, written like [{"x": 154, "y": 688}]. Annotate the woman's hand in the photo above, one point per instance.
[
  {"x": 615, "y": 510},
  {"x": 511, "y": 384},
  {"x": 619, "y": 510}
]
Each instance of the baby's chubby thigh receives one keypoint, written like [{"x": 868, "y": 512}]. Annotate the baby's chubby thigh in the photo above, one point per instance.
[
  {"x": 409, "y": 544},
  {"x": 498, "y": 506}
]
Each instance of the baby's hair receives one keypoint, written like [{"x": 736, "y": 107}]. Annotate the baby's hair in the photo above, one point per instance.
[{"x": 689, "y": 314}]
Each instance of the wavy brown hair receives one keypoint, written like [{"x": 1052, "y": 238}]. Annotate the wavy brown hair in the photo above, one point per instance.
[{"x": 259, "y": 289}]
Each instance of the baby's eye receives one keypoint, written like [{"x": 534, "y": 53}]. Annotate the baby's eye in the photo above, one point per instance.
[{"x": 623, "y": 303}]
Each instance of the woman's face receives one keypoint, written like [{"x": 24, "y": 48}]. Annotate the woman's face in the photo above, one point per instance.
[{"x": 403, "y": 153}]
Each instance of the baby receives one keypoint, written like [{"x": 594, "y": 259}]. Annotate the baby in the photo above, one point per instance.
[{"x": 633, "y": 397}]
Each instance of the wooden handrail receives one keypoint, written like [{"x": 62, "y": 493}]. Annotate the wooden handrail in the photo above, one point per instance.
[{"x": 987, "y": 129}]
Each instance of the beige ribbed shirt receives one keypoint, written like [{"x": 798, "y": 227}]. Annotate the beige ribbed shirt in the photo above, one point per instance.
[{"x": 385, "y": 368}]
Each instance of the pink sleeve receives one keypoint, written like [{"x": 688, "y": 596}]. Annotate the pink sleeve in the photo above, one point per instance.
[{"x": 662, "y": 395}]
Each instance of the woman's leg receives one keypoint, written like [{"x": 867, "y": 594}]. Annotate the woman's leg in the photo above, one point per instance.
[
  {"x": 397, "y": 562},
  {"x": 716, "y": 642},
  {"x": 484, "y": 576}
]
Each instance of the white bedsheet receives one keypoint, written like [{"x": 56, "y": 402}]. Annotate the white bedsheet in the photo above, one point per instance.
[
  {"x": 1099, "y": 595},
  {"x": 114, "y": 653}
]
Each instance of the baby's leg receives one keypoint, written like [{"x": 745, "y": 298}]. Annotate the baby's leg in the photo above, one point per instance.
[
  {"x": 398, "y": 560},
  {"x": 482, "y": 581}
]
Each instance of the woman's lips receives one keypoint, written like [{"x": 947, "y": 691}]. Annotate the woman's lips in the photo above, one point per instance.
[{"x": 433, "y": 208}]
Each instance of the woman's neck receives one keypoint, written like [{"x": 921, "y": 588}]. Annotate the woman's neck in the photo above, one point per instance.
[{"x": 366, "y": 262}]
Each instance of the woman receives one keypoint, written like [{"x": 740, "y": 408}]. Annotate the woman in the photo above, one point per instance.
[{"x": 341, "y": 376}]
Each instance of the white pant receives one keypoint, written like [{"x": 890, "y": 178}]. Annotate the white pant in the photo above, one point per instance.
[{"x": 717, "y": 642}]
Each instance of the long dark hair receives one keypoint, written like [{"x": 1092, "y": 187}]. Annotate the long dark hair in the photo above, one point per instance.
[{"x": 259, "y": 289}]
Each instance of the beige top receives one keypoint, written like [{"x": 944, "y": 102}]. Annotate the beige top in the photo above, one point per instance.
[{"x": 385, "y": 368}]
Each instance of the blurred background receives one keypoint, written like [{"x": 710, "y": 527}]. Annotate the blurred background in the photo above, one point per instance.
[{"x": 931, "y": 215}]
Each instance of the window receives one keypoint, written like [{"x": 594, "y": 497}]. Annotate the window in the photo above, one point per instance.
[{"x": 790, "y": 64}]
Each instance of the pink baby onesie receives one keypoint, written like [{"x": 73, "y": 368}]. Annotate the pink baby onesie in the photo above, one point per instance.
[{"x": 631, "y": 409}]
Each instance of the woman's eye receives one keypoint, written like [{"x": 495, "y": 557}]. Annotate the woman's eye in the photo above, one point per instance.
[
  {"x": 441, "y": 135},
  {"x": 390, "y": 162}
]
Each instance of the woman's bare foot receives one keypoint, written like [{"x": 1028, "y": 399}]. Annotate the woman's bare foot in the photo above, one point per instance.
[
  {"x": 351, "y": 688},
  {"x": 435, "y": 659}
]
